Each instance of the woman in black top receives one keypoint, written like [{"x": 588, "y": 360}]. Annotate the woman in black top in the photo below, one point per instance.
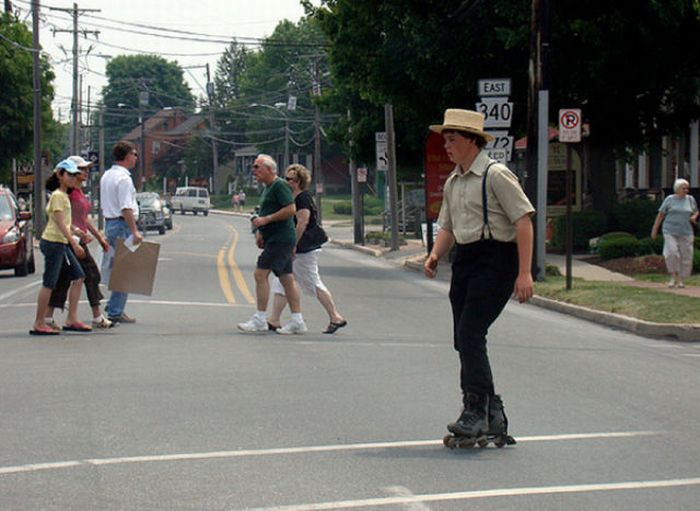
[{"x": 309, "y": 240}]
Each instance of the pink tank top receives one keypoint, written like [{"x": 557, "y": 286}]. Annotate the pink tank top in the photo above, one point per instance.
[{"x": 80, "y": 205}]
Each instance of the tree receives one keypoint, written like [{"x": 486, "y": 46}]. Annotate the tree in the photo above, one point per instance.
[
  {"x": 632, "y": 67},
  {"x": 130, "y": 75},
  {"x": 16, "y": 96}
]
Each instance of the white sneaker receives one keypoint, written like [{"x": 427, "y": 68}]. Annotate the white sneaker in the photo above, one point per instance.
[
  {"x": 254, "y": 324},
  {"x": 293, "y": 327}
]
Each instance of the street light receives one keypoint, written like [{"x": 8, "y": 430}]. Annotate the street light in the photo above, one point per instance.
[{"x": 278, "y": 108}]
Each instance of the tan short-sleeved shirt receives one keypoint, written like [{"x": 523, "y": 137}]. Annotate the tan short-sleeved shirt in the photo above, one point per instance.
[{"x": 461, "y": 212}]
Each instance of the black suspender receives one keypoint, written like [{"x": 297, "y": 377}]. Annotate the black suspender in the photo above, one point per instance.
[{"x": 484, "y": 203}]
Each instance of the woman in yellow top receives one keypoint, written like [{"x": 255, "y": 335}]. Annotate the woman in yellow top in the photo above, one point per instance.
[{"x": 55, "y": 245}]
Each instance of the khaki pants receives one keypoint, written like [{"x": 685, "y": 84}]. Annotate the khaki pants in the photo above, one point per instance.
[{"x": 678, "y": 252}]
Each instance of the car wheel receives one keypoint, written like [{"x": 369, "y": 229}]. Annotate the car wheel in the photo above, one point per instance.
[
  {"x": 206, "y": 212},
  {"x": 182, "y": 211},
  {"x": 22, "y": 269},
  {"x": 161, "y": 230},
  {"x": 169, "y": 226},
  {"x": 194, "y": 212}
]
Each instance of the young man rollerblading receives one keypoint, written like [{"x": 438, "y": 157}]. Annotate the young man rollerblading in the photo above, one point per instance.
[{"x": 487, "y": 215}]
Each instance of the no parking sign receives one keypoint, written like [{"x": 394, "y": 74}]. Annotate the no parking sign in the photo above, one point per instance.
[{"x": 569, "y": 125}]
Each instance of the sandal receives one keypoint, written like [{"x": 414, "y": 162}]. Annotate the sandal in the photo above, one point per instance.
[
  {"x": 333, "y": 327},
  {"x": 77, "y": 327},
  {"x": 43, "y": 330}
]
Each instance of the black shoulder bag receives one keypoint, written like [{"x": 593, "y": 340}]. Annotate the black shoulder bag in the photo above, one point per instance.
[{"x": 314, "y": 236}]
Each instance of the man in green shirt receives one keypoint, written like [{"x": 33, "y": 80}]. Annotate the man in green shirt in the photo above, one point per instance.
[{"x": 276, "y": 235}]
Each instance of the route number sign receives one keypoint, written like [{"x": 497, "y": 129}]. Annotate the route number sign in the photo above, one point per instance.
[{"x": 498, "y": 112}]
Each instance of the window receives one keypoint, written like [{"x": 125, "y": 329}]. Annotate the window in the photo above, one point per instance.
[{"x": 155, "y": 147}]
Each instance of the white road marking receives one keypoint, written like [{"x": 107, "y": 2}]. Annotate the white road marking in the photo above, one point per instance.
[
  {"x": 147, "y": 302},
  {"x": 20, "y": 290},
  {"x": 483, "y": 494},
  {"x": 402, "y": 491},
  {"x": 300, "y": 450}
]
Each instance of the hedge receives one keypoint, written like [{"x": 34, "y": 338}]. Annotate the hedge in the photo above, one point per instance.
[
  {"x": 586, "y": 224},
  {"x": 635, "y": 216},
  {"x": 612, "y": 248}
]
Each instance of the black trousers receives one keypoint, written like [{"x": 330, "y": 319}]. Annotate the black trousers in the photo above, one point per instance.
[
  {"x": 92, "y": 282},
  {"x": 483, "y": 276}
]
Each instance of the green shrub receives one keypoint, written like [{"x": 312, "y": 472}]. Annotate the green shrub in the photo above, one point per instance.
[
  {"x": 616, "y": 236},
  {"x": 635, "y": 216},
  {"x": 342, "y": 208},
  {"x": 648, "y": 246},
  {"x": 586, "y": 224},
  {"x": 551, "y": 270},
  {"x": 696, "y": 261},
  {"x": 613, "y": 248}
]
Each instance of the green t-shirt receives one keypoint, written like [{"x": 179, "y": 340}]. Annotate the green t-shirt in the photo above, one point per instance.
[{"x": 275, "y": 197}]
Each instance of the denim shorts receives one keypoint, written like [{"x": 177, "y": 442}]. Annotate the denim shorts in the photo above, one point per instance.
[
  {"x": 277, "y": 257},
  {"x": 58, "y": 257}
]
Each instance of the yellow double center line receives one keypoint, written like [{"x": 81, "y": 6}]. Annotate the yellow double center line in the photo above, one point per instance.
[{"x": 223, "y": 270}]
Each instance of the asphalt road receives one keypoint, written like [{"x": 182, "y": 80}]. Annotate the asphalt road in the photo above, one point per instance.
[{"x": 180, "y": 411}]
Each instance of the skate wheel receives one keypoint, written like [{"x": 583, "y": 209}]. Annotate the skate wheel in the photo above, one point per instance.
[
  {"x": 483, "y": 442},
  {"x": 449, "y": 441},
  {"x": 510, "y": 440},
  {"x": 500, "y": 443}
]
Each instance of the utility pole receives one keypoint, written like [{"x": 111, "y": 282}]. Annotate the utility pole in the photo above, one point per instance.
[
  {"x": 391, "y": 173},
  {"x": 355, "y": 191},
  {"x": 212, "y": 128},
  {"x": 75, "y": 102},
  {"x": 318, "y": 173},
  {"x": 100, "y": 217},
  {"x": 36, "y": 82},
  {"x": 538, "y": 128}
]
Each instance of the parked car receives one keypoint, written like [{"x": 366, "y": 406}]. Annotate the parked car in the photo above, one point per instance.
[
  {"x": 16, "y": 241},
  {"x": 150, "y": 212},
  {"x": 191, "y": 198}
]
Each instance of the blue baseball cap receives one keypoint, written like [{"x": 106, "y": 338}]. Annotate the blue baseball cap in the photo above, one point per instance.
[{"x": 69, "y": 166}]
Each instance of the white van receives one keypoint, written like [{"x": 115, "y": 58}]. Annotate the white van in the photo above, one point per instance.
[{"x": 191, "y": 198}]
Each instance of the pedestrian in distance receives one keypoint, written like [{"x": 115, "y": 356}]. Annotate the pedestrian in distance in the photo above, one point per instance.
[
  {"x": 307, "y": 250},
  {"x": 55, "y": 244},
  {"x": 121, "y": 213},
  {"x": 678, "y": 213},
  {"x": 241, "y": 201},
  {"x": 86, "y": 231},
  {"x": 236, "y": 201},
  {"x": 276, "y": 236},
  {"x": 487, "y": 215}
]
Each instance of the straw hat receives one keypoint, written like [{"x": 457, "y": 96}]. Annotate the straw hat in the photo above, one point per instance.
[{"x": 463, "y": 120}]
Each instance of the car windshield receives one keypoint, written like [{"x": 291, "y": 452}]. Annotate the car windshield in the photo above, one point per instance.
[
  {"x": 5, "y": 209},
  {"x": 147, "y": 200}
]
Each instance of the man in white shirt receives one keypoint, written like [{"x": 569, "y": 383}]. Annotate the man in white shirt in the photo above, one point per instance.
[{"x": 121, "y": 211}]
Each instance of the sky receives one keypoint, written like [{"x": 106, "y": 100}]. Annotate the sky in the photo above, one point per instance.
[{"x": 119, "y": 35}]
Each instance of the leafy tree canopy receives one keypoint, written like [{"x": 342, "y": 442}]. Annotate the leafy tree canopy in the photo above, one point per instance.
[
  {"x": 130, "y": 75},
  {"x": 16, "y": 94}
]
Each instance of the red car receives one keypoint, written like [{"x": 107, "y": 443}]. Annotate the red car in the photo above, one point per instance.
[{"x": 16, "y": 244}]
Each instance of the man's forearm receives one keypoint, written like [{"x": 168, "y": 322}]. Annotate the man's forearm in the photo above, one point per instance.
[
  {"x": 282, "y": 214},
  {"x": 524, "y": 240},
  {"x": 443, "y": 243},
  {"x": 130, "y": 220}
]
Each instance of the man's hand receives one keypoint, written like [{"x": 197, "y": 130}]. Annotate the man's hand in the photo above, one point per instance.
[
  {"x": 259, "y": 241},
  {"x": 259, "y": 221},
  {"x": 523, "y": 287},
  {"x": 430, "y": 266},
  {"x": 138, "y": 238}
]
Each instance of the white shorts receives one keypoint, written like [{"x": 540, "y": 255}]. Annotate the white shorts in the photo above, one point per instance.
[
  {"x": 678, "y": 252},
  {"x": 305, "y": 269}
]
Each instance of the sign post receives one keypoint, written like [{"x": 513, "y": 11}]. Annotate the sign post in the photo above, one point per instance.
[{"x": 569, "y": 132}]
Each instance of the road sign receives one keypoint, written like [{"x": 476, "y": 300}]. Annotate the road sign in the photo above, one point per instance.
[
  {"x": 501, "y": 147},
  {"x": 382, "y": 150},
  {"x": 494, "y": 87},
  {"x": 498, "y": 112},
  {"x": 361, "y": 174},
  {"x": 569, "y": 125}
]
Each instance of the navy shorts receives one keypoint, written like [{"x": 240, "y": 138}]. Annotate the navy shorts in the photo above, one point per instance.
[
  {"x": 276, "y": 257},
  {"x": 58, "y": 257}
]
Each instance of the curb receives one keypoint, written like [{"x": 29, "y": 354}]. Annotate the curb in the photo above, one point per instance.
[{"x": 682, "y": 332}]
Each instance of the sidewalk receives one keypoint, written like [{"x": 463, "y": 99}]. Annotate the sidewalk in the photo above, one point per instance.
[{"x": 412, "y": 254}]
